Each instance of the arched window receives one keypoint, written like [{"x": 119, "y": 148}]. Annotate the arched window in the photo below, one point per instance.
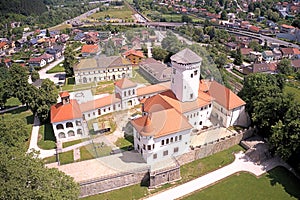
[
  {"x": 71, "y": 133},
  {"x": 79, "y": 131},
  {"x": 59, "y": 126},
  {"x": 61, "y": 135},
  {"x": 69, "y": 125}
]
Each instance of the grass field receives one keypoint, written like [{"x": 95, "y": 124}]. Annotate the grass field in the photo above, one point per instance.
[
  {"x": 12, "y": 102},
  {"x": 293, "y": 90},
  {"x": 66, "y": 157},
  {"x": 188, "y": 172},
  {"x": 60, "y": 27},
  {"x": 278, "y": 183},
  {"x": 51, "y": 159},
  {"x": 57, "y": 68},
  {"x": 46, "y": 137},
  {"x": 121, "y": 12},
  {"x": 92, "y": 151},
  {"x": 71, "y": 143},
  {"x": 137, "y": 77},
  {"x": 124, "y": 143}
]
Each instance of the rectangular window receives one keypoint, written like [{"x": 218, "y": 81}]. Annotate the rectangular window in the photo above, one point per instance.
[
  {"x": 195, "y": 72},
  {"x": 176, "y": 149},
  {"x": 175, "y": 138},
  {"x": 191, "y": 95},
  {"x": 155, "y": 156},
  {"x": 167, "y": 141},
  {"x": 153, "y": 146},
  {"x": 144, "y": 147},
  {"x": 180, "y": 137},
  {"x": 149, "y": 147},
  {"x": 171, "y": 139},
  {"x": 165, "y": 153},
  {"x": 192, "y": 75},
  {"x": 162, "y": 142}
]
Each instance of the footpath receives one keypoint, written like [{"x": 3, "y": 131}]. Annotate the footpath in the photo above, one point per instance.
[{"x": 240, "y": 164}]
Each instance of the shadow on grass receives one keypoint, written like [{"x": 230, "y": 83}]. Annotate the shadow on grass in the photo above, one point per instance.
[
  {"x": 289, "y": 182},
  {"x": 49, "y": 134}
]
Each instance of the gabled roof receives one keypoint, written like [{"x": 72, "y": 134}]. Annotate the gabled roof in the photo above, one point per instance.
[
  {"x": 296, "y": 63},
  {"x": 287, "y": 26},
  {"x": 125, "y": 83},
  {"x": 134, "y": 52},
  {"x": 35, "y": 60},
  {"x": 89, "y": 49},
  {"x": 186, "y": 56},
  {"x": 224, "y": 96},
  {"x": 153, "y": 89},
  {"x": 162, "y": 123},
  {"x": 46, "y": 56},
  {"x": 69, "y": 111},
  {"x": 99, "y": 103},
  {"x": 246, "y": 51},
  {"x": 287, "y": 51}
]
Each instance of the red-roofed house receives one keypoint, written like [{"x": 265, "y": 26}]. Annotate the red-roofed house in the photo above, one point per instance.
[
  {"x": 89, "y": 50},
  {"x": 37, "y": 62},
  {"x": 284, "y": 28},
  {"x": 134, "y": 56},
  {"x": 66, "y": 119},
  {"x": 254, "y": 29}
]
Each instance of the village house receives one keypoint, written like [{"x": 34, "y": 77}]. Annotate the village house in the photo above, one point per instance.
[
  {"x": 287, "y": 52},
  {"x": 101, "y": 68},
  {"x": 260, "y": 68},
  {"x": 268, "y": 56},
  {"x": 89, "y": 50},
  {"x": 37, "y": 62},
  {"x": 134, "y": 56},
  {"x": 296, "y": 64},
  {"x": 56, "y": 51}
]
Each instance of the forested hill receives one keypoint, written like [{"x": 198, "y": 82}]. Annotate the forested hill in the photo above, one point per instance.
[{"x": 23, "y": 7}]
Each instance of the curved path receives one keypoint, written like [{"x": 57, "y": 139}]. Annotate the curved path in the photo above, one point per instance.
[{"x": 241, "y": 163}]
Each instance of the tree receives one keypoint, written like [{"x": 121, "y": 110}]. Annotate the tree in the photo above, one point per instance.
[
  {"x": 47, "y": 33},
  {"x": 257, "y": 12},
  {"x": 296, "y": 23},
  {"x": 34, "y": 75},
  {"x": 255, "y": 46},
  {"x": 69, "y": 61},
  {"x": 186, "y": 18},
  {"x": 171, "y": 43},
  {"x": 285, "y": 67},
  {"x": 159, "y": 53},
  {"x": 221, "y": 60},
  {"x": 19, "y": 83},
  {"x": 224, "y": 15},
  {"x": 238, "y": 57}
]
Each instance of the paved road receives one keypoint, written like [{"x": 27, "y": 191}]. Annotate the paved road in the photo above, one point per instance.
[
  {"x": 241, "y": 163},
  {"x": 55, "y": 76}
]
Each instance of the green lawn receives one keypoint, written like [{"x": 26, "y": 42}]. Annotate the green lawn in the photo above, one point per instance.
[
  {"x": 293, "y": 90},
  {"x": 95, "y": 150},
  {"x": 23, "y": 114},
  {"x": 12, "y": 102},
  {"x": 278, "y": 183},
  {"x": 50, "y": 159},
  {"x": 57, "y": 68},
  {"x": 46, "y": 137},
  {"x": 71, "y": 143},
  {"x": 122, "y": 12},
  {"x": 66, "y": 157},
  {"x": 104, "y": 87},
  {"x": 70, "y": 85},
  {"x": 137, "y": 77},
  {"x": 124, "y": 143},
  {"x": 188, "y": 172}
]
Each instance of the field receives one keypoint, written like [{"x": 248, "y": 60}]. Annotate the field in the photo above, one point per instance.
[
  {"x": 278, "y": 183},
  {"x": 46, "y": 137},
  {"x": 117, "y": 12},
  {"x": 293, "y": 90},
  {"x": 57, "y": 68}
]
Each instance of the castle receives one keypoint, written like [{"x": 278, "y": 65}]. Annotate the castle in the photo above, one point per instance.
[{"x": 170, "y": 111}]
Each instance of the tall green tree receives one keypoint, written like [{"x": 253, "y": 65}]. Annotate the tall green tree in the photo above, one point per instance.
[
  {"x": 238, "y": 57},
  {"x": 285, "y": 67},
  {"x": 159, "y": 54},
  {"x": 224, "y": 15},
  {"x": 69, "y": 61}
]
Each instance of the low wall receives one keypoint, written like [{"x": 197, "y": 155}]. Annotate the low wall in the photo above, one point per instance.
[
  {"x": 164, "y": 176},
  {"x": 112, "y": 182},
  {"x": 214, "y": 147}
]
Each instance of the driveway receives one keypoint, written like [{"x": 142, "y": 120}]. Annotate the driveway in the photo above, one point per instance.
[{"x": 54, "y": 76}]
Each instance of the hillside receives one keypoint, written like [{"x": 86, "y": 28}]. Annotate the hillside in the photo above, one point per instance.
[{"x": 23, "y": 7}]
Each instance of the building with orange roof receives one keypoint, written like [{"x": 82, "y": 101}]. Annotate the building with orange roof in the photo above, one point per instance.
[
  {"x": 135, "y": 56},
  {"x": 89, "y": 50},
  {"x": 66, "y": 119}
]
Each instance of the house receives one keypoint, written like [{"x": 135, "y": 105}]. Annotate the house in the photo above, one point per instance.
[
  {"x": 66, "y": 119},
  {"x": 89, "y": 50},
  {"x": 56, "y": 51},
  {"x": 287, "y": 52},
  {"x": 101, "y": 68},
  {"x": 48, "y": 57},
  {"x": 246, "y": 52},
  {"x": 3, "y": 46},
  {"x": 155, "y": 71},
  {"x": 277, "y": 54},
  {"x": 284, "y": 28},
  {"x": 260, "y": 68},
  {"x": 296, "y": 64},
  {"x": 268, "y": 56},
  {"x": 254, "y": 29},
  {"x": 37, "y": 62},
  {"x": 296, "y": 53},
  {"x": 134, "y": 56},
  {"x": 231, "y": 46}
]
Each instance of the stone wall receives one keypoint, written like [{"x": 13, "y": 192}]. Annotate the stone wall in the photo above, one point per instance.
[
  {"x": 214, "y": 147},
  {"x": 113, "y": 182},
  {"x": 164, "y": 176}
]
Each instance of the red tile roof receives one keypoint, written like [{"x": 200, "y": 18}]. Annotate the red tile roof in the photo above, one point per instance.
[
  {"x": 125, "y": 83},
  {"x": 134, "y": 52},
  {"x": 69, "y": 111},
  {"x": 287, "y": 26},
  {"x": 99, "y": 103},
  {"x": 89, "y": 49},
  {"x": 64, "y": 94}
]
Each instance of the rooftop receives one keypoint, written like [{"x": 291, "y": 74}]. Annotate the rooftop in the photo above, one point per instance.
[{"x": 186, "y": 56}]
